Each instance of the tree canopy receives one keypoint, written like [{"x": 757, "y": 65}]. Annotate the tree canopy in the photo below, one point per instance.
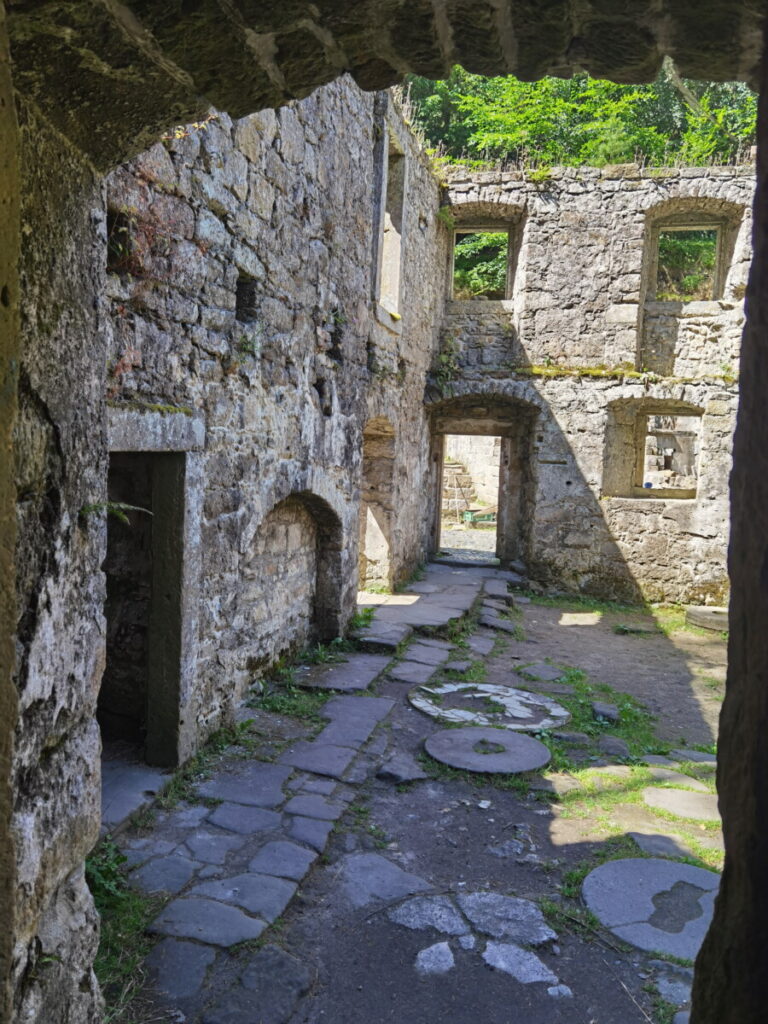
[{"x": 585, "y": 121}]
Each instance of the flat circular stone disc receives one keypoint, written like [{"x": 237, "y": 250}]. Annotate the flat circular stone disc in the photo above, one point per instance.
[
  {"x": 477, "y": 750},
  {"x": 653, "y": 904},
  {"x": 484, "y": 704}
]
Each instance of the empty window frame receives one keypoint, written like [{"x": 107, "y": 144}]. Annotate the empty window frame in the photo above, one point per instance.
[
  {"x": 667, "y": 455},
  {"x": 393, "y": 214},
  {"x": 481, "y": 264},
  {"x": 687, "y": 263}
]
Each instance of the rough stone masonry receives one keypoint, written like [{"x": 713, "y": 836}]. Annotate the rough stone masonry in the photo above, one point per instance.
[{"x": 250, "y": 325}]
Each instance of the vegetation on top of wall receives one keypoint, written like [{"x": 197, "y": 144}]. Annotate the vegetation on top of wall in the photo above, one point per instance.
[
  {"x": 137, "y": 405},
  {"x": 583, "y": 121}
]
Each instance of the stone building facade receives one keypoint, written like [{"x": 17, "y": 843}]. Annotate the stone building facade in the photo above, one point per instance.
[{"x": 270, "y": 301}]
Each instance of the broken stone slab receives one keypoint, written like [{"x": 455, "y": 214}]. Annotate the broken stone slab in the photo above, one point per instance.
[
  {"x": 437, "y": 959},
  {"x": 412, "y": 672},
  {"x": 657, "y": 845},
  {"x": 176, "y": 969},
  {"x": 683, "y": 803},
  {"x": 707, "y": 617},
  {"x": 481, "y": 643},
  {"x": 613, "y": 745},
  {"x": 541, "y": 672},
  {"x": 273, "y": 982},
  {"x": 426, "y": 654},
  {"x": 423, "y": 912},
  {"x": 608, "y": 712},
  {"x": 488, "y": 705},
  {"x": 521, "y": 964},
  {"x": 506, "y": 917},
  {"x": 312, "y": 805},
  {"x": 258, "y": 894},
  {"x": 311, "y": 831},
  {"x": 245, "y": 820},
  {"x": 367, "y": 877},
  {"x": 283, "y": 859},
  {"x": 521, "y": 599},
  {"x": 493, "y": 605},
  {"x": 383, "y": 636},
  {"x": 356, "y": 673},
  {"x": 323, "y": 786},
  {"x": 494, "y": 622},
  {"x": 560, "y": 992},
  {"x": 217, "y": 924},
  {"x": 210, "y": 847},
  {"x": 478, "y": 749},
  {"x": 164, "y": 874},
  {"x": 573, "y": 739},
  {"x": 320, "y": 758},
  {"x": 658, "y": 759},
  {"x": 674, "y": 984},
  {"x": 696, "y": 756},
  {"x": 401, "y": 767},
  {"x": 660, "y": 774},
  {"x": 257, "y": 784},
  {"x": 656, "y": 905}
]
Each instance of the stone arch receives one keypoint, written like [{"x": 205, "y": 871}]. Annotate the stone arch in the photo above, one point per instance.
[
  {"x": 377, "y": 501},
  {"x": 510, "y": 417},
  {"x": 293, "y": 575}
]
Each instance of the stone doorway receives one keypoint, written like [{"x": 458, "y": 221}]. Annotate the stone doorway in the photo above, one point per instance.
[
  {"x": 376, "y": 505},
  {"x": 493, "y": 437},
  {"x": 139, "y": 700}
]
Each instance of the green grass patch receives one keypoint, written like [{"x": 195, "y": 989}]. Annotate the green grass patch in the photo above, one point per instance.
[
  {"x": 123, "y": 944},
  {"x": 581, "y": 602},
  {"x": 285, "y": 698},
  {"x": 670, "y": 618}
]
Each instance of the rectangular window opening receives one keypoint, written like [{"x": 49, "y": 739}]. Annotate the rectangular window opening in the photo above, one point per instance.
[
  {"x": 687, "y": 264},
  {"x": 481, "y": 264},
  {"x": 668, "y": 455},
  {"x": 392, "y": 240}
]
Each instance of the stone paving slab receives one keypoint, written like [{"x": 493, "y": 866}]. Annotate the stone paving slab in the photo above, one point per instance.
[
  {"x": 493, "y": 621},
  {"x": 481, "y": 643},
  {"x": 312, "y": 805},
  {"x": 683, "y": 803},
  {"x": 427, "y": 654},
  {"x": 177, "y": 969},
  {"x": 258, "y": 894},
  {"x": 412, "y": 672},
  {"x": 457, "y": 666},
  {"x": 697, "y": 756},
  {"x": 656, "y": 844},
  {"x": 272, "y": 985},
  {"x": 216, "y": 924},
  {"x": 125, "y": 788},
  {"x": 653, "y": 904},
  {"x": 311, "y": 831},
  {"x": 164, "y": 874},
  {"x": 245, "y": 820},
  {"x": 468, "y": 704},
  {"x": 461, "y": 748},
  {"x": 500, "y": 590},
  {"x": 383, "y": 636},
  {"x": 401, "y": 767},
  {"x": 356, "y": 673},
  {"x": 661, "y": 774},
  {"x": 283, "y": 859},
  {"x": 521, "y": 964},
  {"x": 256, "y": 784},
  {"x": 506, "y": 917},
  {"x": 320, "y": 758},
  {"x": 366, "y": 877},
  {"x": 542, "y": 672}
]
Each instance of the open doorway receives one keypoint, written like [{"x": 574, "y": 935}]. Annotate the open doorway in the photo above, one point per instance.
[
  {"x": 376, "y": 505},
  {"x": 139, "y": 701},
  {"x": 470, "y": 497}
]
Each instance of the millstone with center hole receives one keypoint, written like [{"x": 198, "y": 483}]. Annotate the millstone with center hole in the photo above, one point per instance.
[
  {"x": 478, "y": 749},
  {"x": 485, "y": 704}
]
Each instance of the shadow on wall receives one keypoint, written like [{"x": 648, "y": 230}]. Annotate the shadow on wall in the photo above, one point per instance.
[{"x": 293, "y": 578}]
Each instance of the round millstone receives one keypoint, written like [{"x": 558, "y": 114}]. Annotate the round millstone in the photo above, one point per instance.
[
  {"x": 485, "y": 704},
  {"x": 654, "y": 904},
  {"x": 487, "y": 750}
]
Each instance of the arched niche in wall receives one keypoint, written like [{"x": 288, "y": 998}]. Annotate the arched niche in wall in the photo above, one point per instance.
[
  {"x": 377, "y": 504},
  {"x": 512, "y": 420},
  {"x": 688, "y": 257},
  {"x": 293, "y": 575}
]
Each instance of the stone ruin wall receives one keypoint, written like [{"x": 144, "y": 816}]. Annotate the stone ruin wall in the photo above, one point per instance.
[
  {"x": 581, "y": 300},
  {"x": 293, "y": 207}
]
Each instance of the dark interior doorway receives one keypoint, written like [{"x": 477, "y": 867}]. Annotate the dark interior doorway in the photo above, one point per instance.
[{"x": 138, "y": 702}]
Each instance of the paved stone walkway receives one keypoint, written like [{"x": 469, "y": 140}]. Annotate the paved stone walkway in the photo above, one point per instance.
[{"x": 431, "y": 888}]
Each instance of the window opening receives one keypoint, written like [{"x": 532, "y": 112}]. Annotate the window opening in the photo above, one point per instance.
[
  {"x": 392, "y": 241},
  {"x": 668, "y": 454},
  {"x": 687, "y": 264},
  {"x": 481, "y": 265},
  {"x": 245, "y": 300}
]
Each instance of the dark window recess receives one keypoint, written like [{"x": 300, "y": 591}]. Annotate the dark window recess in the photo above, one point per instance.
[
  {"x": 245, "y": 300},
  {"x": 324, "y": 394},
  {"x": 120, "y": 253}
]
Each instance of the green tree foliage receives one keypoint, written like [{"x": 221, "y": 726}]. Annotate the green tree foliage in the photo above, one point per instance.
[
  {"x": 480, "y": 265},
  {"x": 686, "y": 264},
  {"x": 584, "y": 120}
]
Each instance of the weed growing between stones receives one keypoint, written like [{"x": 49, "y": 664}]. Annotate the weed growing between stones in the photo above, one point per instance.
[
  {"x": 123, "y": 945},
  {"x": 284, "y": 698},
  {"x": 183, "y": 783}
]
